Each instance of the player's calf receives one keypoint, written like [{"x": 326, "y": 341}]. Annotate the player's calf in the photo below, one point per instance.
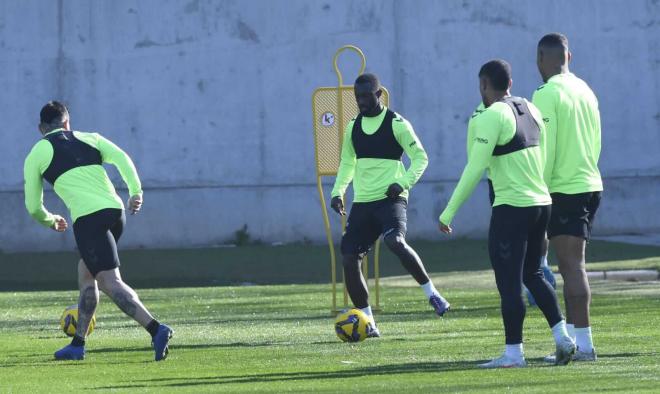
[
  {"x": 355, "y": 283},
  {"x": 128, "y": 301},
  {"x": 396, "y": 242}
]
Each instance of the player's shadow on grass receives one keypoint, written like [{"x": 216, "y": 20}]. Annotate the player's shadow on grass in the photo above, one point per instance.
[
  {"x": 538, "y": 361},
  {"x": 50, "y": 362},
  {"x": 27, "y": 325},
  {"x": 193, "y": 346},
  {"x": 462, "y": 311},
  {"x": 425, "y": 367},
  {"x": 311, "y": 375},
  {"x": 625, "y": 355}
]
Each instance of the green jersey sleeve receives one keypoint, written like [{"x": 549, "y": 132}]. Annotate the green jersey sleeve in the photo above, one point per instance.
[
  {"x": 112, "y": 154},
  {"x": 481, "y": 152},
  {"x": 406, "y": 137},
  {"x": 346, "y": 165},
  {"x": 545, "y": 102},
  {"x": 470, "y": 134},
  {"x": 35, "y": 164}
]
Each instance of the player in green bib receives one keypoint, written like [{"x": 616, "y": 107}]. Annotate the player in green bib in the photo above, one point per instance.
[
  {"x": 374, "y": 143},
  {"x": 507, "y": 141},
  {"x": 572, "y": 120},
  {"x": 72, "y": 162},
  {"x": 547, "y": 272}
]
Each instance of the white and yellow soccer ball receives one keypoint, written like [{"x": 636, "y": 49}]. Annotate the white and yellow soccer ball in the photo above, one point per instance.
[
  {"x": 351, "y": 325},
  {"x": 69, "y": 321}
]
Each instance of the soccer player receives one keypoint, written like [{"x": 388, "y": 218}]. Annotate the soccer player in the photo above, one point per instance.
[
  {"x": 547, "y": 272},
  {"x": 374, "y": 143},
  {"x": 507, "y": 141},
  {"x": 572, "y": 120},
  {"x": 72, "y": 162}
]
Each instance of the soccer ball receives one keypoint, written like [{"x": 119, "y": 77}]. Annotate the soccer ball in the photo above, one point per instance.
[
  {"x": 351, "y": 326},
  {"x": 69, "y": 321}
]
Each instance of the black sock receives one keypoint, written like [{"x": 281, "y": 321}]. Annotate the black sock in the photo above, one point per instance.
[
  {"x": 77, "y": 341},
  {"x": 152, "y": 327}
]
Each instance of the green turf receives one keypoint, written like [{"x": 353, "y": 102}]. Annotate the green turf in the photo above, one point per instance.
[
  {"x": 280, "y": 338},
  {"x": 288, "y": 264}
]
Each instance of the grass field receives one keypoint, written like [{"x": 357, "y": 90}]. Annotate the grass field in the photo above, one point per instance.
[
  {"x": 287, "y": 264},
  {"x": 280, "y": 338}
]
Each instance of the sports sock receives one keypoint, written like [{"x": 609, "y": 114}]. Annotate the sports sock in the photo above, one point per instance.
[
  {"x": 544, "y": 261},
  {"x": 514, "y": 351},
  {"x": 152, "y": 327},
  {"x": 77, "y": 341},
  {"x": 559, "y": 331},
  {"x": 571, "y": 330},
  {"x": 583, "y": 339},
  {"x": 367, "y": 311},
  {"x": 429, "y": 289}
]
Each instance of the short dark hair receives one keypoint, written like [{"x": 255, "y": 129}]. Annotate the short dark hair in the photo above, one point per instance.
[
  {"x": 553, "y": 40},
  {"x": 498, "y": 72},
  {"x": 54, "y": 113},
  {"x": 368, "y": 78}
]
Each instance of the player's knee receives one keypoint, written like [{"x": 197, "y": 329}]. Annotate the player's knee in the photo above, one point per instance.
[
  {"x": 107, "y": 281},
  {"x": 573, "y": 273},
  {"x": 512, "y": 302},
  {"x": 351, "y": 261},
  {"x": 530, "y": 278},
  {"x": 395, "y": 241},
  {"x": 105, "y": 287},
  {"x": 85, "y": 280},
  {"x": 509, "y": 289},
  {"x": 573, "y": 264}
]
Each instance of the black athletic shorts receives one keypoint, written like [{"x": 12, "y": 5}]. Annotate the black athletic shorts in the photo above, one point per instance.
[
  {"x": 368, "y": 220},
  {"x": 96, "y": 236},
  {"x": 573, "y": 214}
]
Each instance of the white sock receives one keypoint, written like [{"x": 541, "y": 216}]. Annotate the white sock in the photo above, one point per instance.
[
  {"x": 367, "y": 311},
  {"x": 544, "y": 261},
  {"x": 583, "y": 339},
  {"x": 514, "y": 351},
  {"x": 429, "y": 289},
  {"x": 559, "y": 331},
  {"x": 571, "y": 330}
]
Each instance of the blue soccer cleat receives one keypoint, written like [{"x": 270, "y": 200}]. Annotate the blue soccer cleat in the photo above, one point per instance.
[
  {"x": 160, "y": 341},
  {"x": 70, "y": 352},
  {"x": 439, "y": 304},
  {"x": 549, "y": 276}
]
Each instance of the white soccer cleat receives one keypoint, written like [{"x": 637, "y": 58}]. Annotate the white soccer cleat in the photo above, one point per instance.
[
  {"x": 564, "y": 351},
  {"x": 505, "y": 361},
  {"x": 578, "y": 356},
  {"x": 585, "y": 356},
  {"x": 372, "y": 331}
]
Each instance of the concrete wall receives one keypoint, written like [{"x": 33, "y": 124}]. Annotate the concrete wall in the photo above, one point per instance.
[{"x": 212, "y": 100}]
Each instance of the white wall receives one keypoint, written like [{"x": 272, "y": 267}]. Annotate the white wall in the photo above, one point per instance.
[{"x": 212, "y": 101}]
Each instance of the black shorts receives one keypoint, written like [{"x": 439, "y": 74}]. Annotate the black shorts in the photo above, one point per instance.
[
  {"x": 573, "y": 214},
  {"x": 97, "y": 235},
  {"x": 368, "y": 220}
]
